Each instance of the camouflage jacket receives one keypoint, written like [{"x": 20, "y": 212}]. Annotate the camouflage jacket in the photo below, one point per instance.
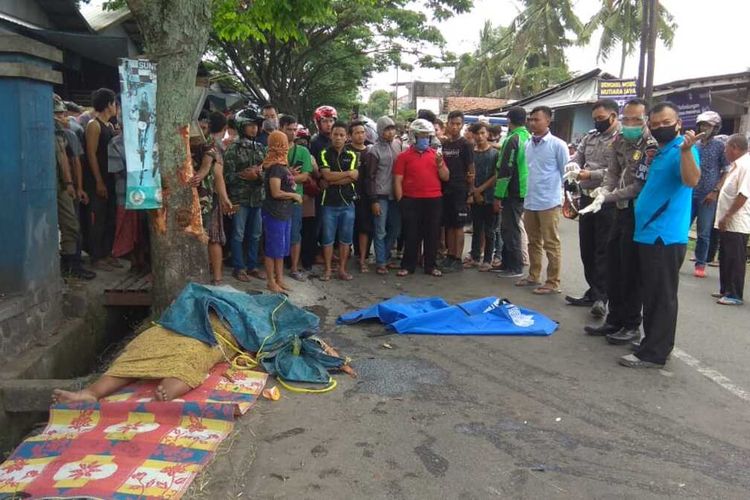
[{"x": 238, "y": 156}]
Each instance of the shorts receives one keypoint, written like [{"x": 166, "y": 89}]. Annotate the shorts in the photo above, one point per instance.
[
  {"x": 363, "y": 216},
  {"x": 455, "y": 209},
  {"x": 296, "y": 237},
  {"x": 338, "y": 221},
  {"x": 277, "y": 236}
]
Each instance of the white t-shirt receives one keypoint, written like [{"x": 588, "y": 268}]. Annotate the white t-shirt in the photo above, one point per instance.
[{"x": 738, "y": 182}]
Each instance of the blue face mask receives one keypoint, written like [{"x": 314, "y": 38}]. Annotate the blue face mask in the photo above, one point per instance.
[
  {"x": 632, "y": 134},
  {"x": 422, "y": 143}
]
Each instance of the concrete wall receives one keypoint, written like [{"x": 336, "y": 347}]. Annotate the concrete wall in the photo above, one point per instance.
[{"x": 27, "y": 10}]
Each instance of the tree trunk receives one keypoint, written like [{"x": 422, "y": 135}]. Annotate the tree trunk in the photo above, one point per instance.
[
  {"x": 644, "y": 47},
  {"x": 623, "y": 56},
  {"x": 175, "y": 33},
  {"x": 652, "y": 26}
]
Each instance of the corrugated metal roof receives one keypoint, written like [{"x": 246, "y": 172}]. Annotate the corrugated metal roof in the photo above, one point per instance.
[{"x": 100, "y": 19}]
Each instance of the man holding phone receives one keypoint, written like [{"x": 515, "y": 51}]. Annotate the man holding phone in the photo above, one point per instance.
[{"x": 300, "y": 163}]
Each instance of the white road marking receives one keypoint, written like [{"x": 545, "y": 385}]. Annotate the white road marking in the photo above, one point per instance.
[{"x": 711, "y": 374}]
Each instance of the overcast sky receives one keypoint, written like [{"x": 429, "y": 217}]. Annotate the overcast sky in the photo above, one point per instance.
[{"x": 711, "y": 39}]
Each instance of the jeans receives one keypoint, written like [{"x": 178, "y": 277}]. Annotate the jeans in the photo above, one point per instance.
[
  {"x": 484, "y": 222},
  {"x": 246, "y": 220},
  {"x": 498, "y": 231},
  {"x": 296, "y": 237},
  {"x": 387, "y": 229},
  {"x": 338, "y": 220},
  {"x": 705, "y": 213}
]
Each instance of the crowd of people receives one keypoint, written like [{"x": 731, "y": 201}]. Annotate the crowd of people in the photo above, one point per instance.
[{"x": 277, "y": 201}]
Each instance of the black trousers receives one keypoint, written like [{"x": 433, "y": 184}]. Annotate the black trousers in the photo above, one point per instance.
[
  {"x": 713, "y": 246},
  {"x": 733, "y": 262},
  {"x": 660, "y": 279},
  {"x": 420, "y": 225},
  {"x": 623, "y": 288},
  {"x": 484, "y": 220},
  {"x": 102, "y": 217},
  {"x": 309, "y": 248},
  {"x": 593, "y": 233},
  {"x": 510, "y": 230}
]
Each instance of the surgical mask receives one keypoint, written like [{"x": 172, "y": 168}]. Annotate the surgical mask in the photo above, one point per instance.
[
  {"x": 422, "y": 143},
  {"x": 663, "y": 135},
  {"x": 601, "y": 126},
  {"x": 632, "y": 133}
]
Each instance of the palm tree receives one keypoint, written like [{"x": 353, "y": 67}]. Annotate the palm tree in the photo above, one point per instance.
[
  {"x": 478, "y": 73},
  {"x": 621, "y": 21}
]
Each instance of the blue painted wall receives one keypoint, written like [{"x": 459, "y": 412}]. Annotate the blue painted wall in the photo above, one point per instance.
[
  {"x": 28, "y": 219},
  {"x": 582, "y": 122}
]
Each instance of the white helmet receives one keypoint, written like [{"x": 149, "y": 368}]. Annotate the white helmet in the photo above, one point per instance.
[
  {"x": 420, "y": 126},
  {"x": 710, "y": 117}
]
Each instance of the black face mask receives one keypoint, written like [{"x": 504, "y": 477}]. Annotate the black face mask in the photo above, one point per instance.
[
  {"x": 601, "y": 126},
  {"x": 664, "y": 135}
]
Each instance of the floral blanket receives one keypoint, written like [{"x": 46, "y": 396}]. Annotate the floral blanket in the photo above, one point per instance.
[{"x": 129, "y": 446}]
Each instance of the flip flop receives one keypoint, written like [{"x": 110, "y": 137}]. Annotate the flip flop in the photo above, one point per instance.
[
  {"x": 324, "y": 277},
  {"x": 402, "y": 273},
  {"x": 545, "y": 290},
  {"x": 346, "y": 277},
  {"x": 381, "y": 270},
  {"x": 527, "y": 282},
  {"x": 241, "y": 276},
  {"x": 296, "y": 275},
  {"x": 364, "y": 269},
  {"x": 436, "y": 273}
]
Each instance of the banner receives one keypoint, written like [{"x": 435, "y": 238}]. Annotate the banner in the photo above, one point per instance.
[
  {"x": 620, "y": 91},
  {"x": 691, "y": 103},
  {"x": 143, "y": 184}
]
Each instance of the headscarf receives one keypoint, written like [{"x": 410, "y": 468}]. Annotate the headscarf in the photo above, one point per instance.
[{"x": 278, "y": 147}]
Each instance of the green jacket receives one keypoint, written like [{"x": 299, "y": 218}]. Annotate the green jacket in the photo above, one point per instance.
[
  {"x": 239, "y": 155},
  {"x": 512, "y": 169}
]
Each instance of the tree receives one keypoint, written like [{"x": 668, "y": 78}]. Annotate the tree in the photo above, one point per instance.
[
  {"x": 335, "y": 54},
  {"x": 379, "y": 103},
  {"x": 621, "y": 23},
  {"x": 175, "y": 34},
  {"x": 482, "y": 72}
]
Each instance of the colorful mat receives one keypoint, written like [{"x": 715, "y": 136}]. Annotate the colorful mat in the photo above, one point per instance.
[{"x": 129, "y": 446}]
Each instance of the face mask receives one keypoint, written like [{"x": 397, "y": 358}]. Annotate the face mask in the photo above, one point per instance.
[
  {"x": 632, "y": 134},
  {"x": 422, "y": 143},
  {"x": 664, "y": 135},
  {"x": 601, "y": 126}
]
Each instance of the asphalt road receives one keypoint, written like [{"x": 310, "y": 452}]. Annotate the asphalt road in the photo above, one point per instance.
[{"x": 503, "y": 417}]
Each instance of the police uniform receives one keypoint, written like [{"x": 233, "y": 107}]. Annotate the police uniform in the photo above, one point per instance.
[
  {"x": 67, "y": 218},
  {"x": 594, "y": 154},
  {"x": 623, "y": 182}
]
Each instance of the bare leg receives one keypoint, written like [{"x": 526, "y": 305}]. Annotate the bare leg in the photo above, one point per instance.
[
  {"x": 171, "y": 388},
  {"x": 364, "y": 241},
  {"x": 271, "y": 275},
  {"x": 278, "y": 265},
  {"x": 343, "y": 259},
  {"x": 103, "y": 387},
  {"x": 214, "y": 258},
  {"x": 294, "y": 257},
  {"x": 327, "y": 257}
]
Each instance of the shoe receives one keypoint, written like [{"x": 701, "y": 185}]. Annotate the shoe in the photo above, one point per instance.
[
  {"x": 625, "y": 336},
  {"x": 600, "y": 331},
  {"x": 713, "y": 264},
  {"x": 729, "y": 301},
  {"x": 635, "y": 345},
  {"x": 82, "y": 274},
  {"x": 717, "y": 295},
  {"x": 633, "y": 361},
  {"x": 700, "y": 271},
  {"x": 599, "y": 309},
  {"x": 507, "y": 273},
  {"x": 584, "y": 301}
]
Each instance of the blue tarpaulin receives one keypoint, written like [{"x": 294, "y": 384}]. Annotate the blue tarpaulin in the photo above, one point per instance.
[{"x": 434, "y": 316}]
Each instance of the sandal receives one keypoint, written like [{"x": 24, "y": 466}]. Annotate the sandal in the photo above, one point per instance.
[
  {"x": 345, "y": 277},
  {"x": 527, "y": 282},
  {"x": 381, "y": 270},
  {"x": 485, "y": 267},
  {"x": 216, "y": 282},
  {"x": 241, "y": 276},
  {"x": 437, "y": 273},
  {"x": 393, "y": 265},
  {"x": 363, "y": 268},
  {"x": 257, "y": 273},
  {"x": 546, "y": 290},
  {"x": 324, "y": 277},
  {"x": 296, "y": 275},
  {"x": 402, "y": 273}
]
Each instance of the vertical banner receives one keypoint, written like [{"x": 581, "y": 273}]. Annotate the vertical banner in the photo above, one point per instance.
[
  {"x": 620, "y": 91},
  {"x": 138, "y": 83}
]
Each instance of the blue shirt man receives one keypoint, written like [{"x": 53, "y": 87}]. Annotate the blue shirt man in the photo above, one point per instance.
[
  {"x": 546, "y": 157},
  {"x": 662, "y": 220},
  {"x": 662, "y": 211}
]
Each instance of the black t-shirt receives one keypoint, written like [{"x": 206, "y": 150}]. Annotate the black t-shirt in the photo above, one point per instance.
[
  {"x": 318, "y": 144},
  {"x": 346, "y": 160},
  {"x": 360, "y": 184},
  {"x": 280, "y": 209},
  {"x": 458, "y": 155}
]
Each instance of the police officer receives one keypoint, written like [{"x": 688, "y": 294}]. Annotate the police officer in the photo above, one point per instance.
[
  {"x": 588, "y": 167},
  {"x": 633, "y": 150}
]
